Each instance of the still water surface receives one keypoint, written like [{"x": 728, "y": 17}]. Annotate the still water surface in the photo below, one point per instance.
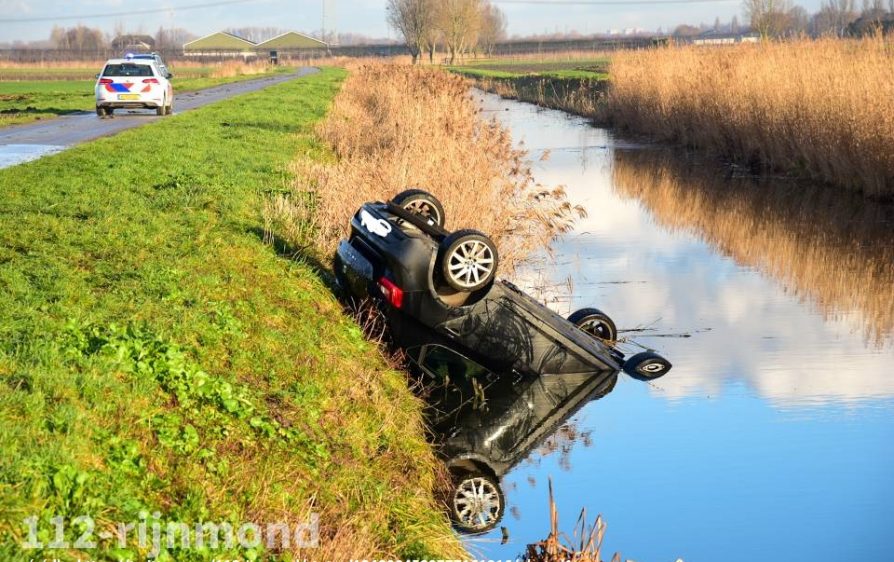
[{"x": 773, "y": 437}]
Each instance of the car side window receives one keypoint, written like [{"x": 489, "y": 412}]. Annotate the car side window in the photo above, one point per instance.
[{"x": 446, "y": 363}]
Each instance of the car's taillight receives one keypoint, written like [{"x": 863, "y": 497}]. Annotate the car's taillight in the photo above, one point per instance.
[
  {"x": 392, "y": 293},
  {"x": 106, "y": 81},
  {"x": 150, "y": 81}
]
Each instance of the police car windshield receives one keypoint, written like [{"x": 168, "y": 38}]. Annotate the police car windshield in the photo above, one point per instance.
[{"x": 127, "y": 69}]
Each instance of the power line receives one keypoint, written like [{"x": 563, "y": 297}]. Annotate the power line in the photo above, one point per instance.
[
  {"x": 612, "y": 2},
  {"x": 130, "y": 13}
]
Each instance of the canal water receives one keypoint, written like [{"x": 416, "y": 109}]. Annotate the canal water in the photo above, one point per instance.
[{"x": 773, "y": 436}]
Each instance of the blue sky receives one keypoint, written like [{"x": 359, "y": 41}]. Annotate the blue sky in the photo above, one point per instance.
[{"x": 358, "y": 16}]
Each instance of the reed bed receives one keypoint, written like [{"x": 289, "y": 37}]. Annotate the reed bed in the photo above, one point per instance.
[
  {"x": 833, "y": 249},
  {"x": 584, "y": 544},
  {"x": 580, "y": 97},
  {"x": 393, "y": 127},
  {"x": 823, "y": 109}
]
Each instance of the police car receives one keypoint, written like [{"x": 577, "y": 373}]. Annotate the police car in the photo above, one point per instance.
[{"x": 132, "y": 83}]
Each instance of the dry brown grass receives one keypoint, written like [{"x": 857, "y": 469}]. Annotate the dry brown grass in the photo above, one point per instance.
[
  {"x": 352, "y": 63},
  {"x": 822, "y": 108},
  {"x": 579, "y": 55},
  {"x": 86, "y": 69},
  {"x": 231, "y": 68},
  {"x": 580, "y": 97},
  {"x": 394, "y": 127},
  {"x": 834, "y": 249}
]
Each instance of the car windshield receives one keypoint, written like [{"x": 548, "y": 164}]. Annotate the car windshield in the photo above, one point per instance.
[{"x": 127, "y": 69}]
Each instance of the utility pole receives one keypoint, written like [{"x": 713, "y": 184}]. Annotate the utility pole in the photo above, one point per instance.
[{"x": 330, "y": 9}]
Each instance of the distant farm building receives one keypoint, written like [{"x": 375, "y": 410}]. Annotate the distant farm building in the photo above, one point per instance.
[
  {"x": 220, "y": 44},
  {"x": 223, "y": 44},
  {"x": 291, "y": 41}
]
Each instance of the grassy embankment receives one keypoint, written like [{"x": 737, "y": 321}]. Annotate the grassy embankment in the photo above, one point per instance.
[
  {"x": 575, "y": 85},
  {"x": 33, "y": 93},
  {"x": 157, "y": 357},
  {"x": 818, "y": 109}
]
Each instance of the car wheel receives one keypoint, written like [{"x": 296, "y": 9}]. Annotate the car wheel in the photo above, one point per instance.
[
  {"x": 162, "y": 109},
  {"x": 477, "y": 503},
  {"x": 101, "y": 111},
  {"x": 422, "y": 203},
  {"x": 468, "y": 260},
  {"x": 595, "y": 322},
  {"x": 171, "y": 108},
  {"x": 647, "y": 366}
]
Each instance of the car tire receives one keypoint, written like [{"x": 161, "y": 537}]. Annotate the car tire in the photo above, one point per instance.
[
  {"x": 101, "y": 111},
  {"x": 647, "y": 366},
  {"x": 162, "y": 109},
  {"x": 422, "y": 203},
  {"x": 595, "y": 323},
  {"x": 477, "y": 503},
  {"x": 468, "y": 260},
  {"x": 171, "y": 108}
]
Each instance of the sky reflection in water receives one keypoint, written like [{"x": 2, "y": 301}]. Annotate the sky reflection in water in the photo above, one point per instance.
[{"x": 772, "y": 435}]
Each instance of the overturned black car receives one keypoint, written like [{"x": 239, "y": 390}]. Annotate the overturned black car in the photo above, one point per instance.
[
  {"x": 455, "y": 320},
  {"x": 440, "y": 287}
]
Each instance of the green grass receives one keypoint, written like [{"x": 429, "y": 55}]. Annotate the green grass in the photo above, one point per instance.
[
  {"x": 25, "y": 101},
  {"x": 158, "y": 357}
]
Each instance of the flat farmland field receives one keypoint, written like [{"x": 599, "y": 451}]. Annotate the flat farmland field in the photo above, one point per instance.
[{"x": 34, "y": 93}]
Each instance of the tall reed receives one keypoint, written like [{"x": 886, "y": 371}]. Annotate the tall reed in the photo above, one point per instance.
[
  {"x": 581, "y": 97},
  {"x": 393, "y": 127},
  {"x": 824, "y": 109}
]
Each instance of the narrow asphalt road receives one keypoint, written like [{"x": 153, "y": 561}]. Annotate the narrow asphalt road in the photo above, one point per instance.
[{"x": 21, "y": 143}]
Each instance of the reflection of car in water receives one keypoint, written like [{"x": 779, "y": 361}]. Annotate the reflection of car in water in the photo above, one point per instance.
[{"x": 486, "y": 423}]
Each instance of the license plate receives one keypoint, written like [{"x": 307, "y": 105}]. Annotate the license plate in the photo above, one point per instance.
[{"x": 128, "y": 96}]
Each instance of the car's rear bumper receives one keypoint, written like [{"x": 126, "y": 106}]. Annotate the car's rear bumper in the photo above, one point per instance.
[{"x": 145, "y": 100}]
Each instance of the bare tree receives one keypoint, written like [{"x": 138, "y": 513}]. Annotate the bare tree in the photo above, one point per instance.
[
  {"x": 493, "y": 27},
  {"x": 459, "y": 22},
  {"x": 685, "y": 30},
  {"x": 81, "y": 39},
  {"x": 173, "y": 38},
  {"x": 415, "y": 21},
  {"x": 797, "y": 22},
  {"x": 768, "y": 17},
  {"x": 834, "y": 18}
]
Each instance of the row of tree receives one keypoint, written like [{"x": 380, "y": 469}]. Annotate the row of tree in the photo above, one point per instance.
[
  {"x": 460, "y": 26},
  {"x": 782, "y": 18},
  {"x": 85, "y": 39}
]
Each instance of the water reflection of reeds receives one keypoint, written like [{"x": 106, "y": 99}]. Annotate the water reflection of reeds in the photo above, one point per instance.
[{"x": 830, "y": 248}]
